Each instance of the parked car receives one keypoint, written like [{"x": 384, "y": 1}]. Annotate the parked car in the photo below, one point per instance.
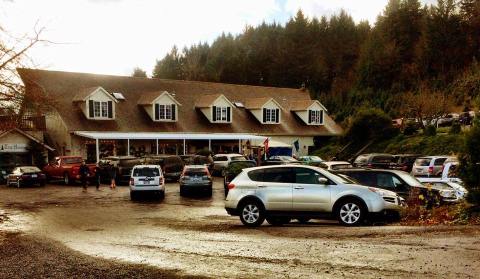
[
  {"x": 310, "y": 160},
  {"x": 200, "y": 160},
  {"x": 122, "y": 165},
  {"x": 3, "y": 176},
  {"x": 428, "y": 166},
  {"x": 279, "y": 193},
  {"x": 375, "y": 160},
  {"x": 220, "y": 162},
  {"x": 447, "y": 120},
  {"x": 280, "y": 160},
  {"x": 147, "y": 179},
  {"x": 172, "y": 165},
  {"x": 26, "y": 176},
  {"x": 195, "y": 178},
  {"x": 396, "y": 181},
  {"x": 404, "y": 162},
  {"x": 233, "y": 169},
  {"x": 438, "y": 183},
  {"x": 335, "y": 165},
  {"x": 67, "y": 168}
]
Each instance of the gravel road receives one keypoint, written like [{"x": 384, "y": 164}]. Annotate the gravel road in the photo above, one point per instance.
[{"x": 193, "y": 236}]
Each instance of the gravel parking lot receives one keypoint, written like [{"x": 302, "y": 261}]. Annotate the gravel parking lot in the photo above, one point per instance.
[{"x": 193, "y": 236}]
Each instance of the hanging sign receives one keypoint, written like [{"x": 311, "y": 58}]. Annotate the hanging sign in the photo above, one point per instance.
[{"x": 13, "y": 147}]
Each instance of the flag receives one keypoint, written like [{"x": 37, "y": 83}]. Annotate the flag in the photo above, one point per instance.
[
  {"x": 265, "y": 143},
  {"x": 297, "y": 145}
]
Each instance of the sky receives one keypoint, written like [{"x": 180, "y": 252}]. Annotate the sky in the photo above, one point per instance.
[{"x": 114, "y": 36}]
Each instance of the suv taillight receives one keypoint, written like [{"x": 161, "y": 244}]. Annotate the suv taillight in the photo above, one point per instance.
[
  {"x": 231, "y": 186},
  {"x": 430, "y": 170},
  {"x": 132, "y": 181}
]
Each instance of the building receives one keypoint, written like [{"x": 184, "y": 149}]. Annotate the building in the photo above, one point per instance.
[{"x": 100, "y": 115}]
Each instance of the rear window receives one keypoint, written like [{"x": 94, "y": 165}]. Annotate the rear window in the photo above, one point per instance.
[
  {"x": 195, "y": 172},
  {"x": 221, "y": 158},
  {"x": 150, "y": 172},
  {"x": 439, "y": 161},
  {"x": 238, "y": 158},
  {"x": 423, "y": 162},
  {"x": 382, "y": 159}
]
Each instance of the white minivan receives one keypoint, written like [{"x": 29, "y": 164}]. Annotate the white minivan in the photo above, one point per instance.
[{"x": 147, "y": 179}]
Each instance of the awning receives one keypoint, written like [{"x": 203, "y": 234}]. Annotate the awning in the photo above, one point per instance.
[{"x": 164, "y": 136}]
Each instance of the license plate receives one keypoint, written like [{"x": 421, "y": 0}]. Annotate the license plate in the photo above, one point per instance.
[
  {"x": 34, "y": 176},
  {"x": 146, "y": 182},
  {"x": 196, "y": 179}
]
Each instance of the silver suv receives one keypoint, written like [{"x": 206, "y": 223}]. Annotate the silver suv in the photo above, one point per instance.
[{"x": 279, "y": 193}]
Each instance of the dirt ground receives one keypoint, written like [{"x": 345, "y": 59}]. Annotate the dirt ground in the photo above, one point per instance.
[{"x": 60, "y": 231}]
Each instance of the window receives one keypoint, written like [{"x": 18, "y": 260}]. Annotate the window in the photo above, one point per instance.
[
  {"x": 104, "y": 109},
  {"x": 165, "y": 111},
  {"x": 271, "y": 115},
  {"x": 220, "y": 158},
  {"x": 96, "y": 109},
  {"x": 315, "y": 116},
  {"x": 221, "y": 114},
  {"x": 307, "y": 176},
  {"x": 276, "y": 175},
  {"x": 439, "y": 161},
  {"x": 100, "y": 109}
]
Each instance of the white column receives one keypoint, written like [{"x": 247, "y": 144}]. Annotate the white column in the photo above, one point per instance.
[
  {"x": 157, "y": 146},
  {"x": 128, "y": 147},
  {"x": 210, "y": 144},
  {"x": 184, "y": 147},
  {"x": 97, "y": 150},
  {"x": 240, "y": 146}
]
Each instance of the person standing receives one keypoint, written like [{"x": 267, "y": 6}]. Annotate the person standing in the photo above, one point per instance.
[
  {"x": 97, "y": 176},
  {"x": 113, "y": 175},
  {"x": 84, "y": 174}
]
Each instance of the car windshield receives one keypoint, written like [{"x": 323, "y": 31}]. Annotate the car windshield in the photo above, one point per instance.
[
  {"x": 149, "y": 172},
  {"x": 423, "y": 162},
  {"x": 239, "y": 158},
  {"x": 341, "y": 166},
  {"x": 409, "y": 179},
  {"x": 76, "y": 160},
  {"x": 29, "y": 169}
]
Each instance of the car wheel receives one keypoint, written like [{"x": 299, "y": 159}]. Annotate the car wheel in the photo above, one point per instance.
[
  {"x": 350, "y": 213},
  {"x": 161, "y": 195},
  {"x": 182, "y": 191},
  {"x": 278, "y": 221},
  {"x": 66, "y": 179},
  {"x": 252, "y": 213},
  {"x": 303, "y": 220},
  {"x": 133, "y": 196}
]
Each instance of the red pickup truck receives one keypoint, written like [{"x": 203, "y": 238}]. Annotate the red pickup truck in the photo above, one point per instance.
[{"x": 67, "y": 168}]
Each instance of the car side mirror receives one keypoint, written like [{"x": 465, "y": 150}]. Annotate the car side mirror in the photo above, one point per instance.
[{"x": 322, "y": 181}]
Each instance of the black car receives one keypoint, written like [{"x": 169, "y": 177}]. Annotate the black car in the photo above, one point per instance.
[
  {"x": 195, "y": 178},
  {"x": 172, "y": 165},
  {"x": 397, "y": 181},
  {"x": 233, "y": 169},
  {"x": 404, "y": 162},
  {"x": 26, "y": 176},
  {"x": 122, "y": 165},
  {"x": 375, "y": 160},
  {"x": 280, "y": 160}
]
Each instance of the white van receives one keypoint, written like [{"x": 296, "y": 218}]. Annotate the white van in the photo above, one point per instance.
[{"x": 147, "y": 179}]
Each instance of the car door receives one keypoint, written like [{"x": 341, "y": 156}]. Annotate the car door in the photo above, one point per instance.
[
  {"x": 308, "y": 193},
  {"x": 275, "y": 188}
]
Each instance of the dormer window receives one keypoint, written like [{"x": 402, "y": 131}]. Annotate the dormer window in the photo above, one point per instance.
[
  {"x": 96, "y": 103},
  {"x": 102, "y": 109},
  {"x": 315, "y": 117},
  {"x": 165, "y": 112},
  {"x": 271, "y": 115},
  {"x": 221, "y": 114}
]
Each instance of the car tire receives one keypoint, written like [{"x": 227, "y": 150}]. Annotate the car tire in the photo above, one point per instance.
[
  {"x": 278, "y": 221},
  {"x": 182, "y": 191},
  {"x": 252, "y": 213},
  {"x": 303, "y": 220},
  {"x": 209, "y": 192},
  {"x": 161, "y": 195},
  {"x": 66, "y": 179},
  {"x": 133, "y": 196},
  {"x": 351, "y": 212}
]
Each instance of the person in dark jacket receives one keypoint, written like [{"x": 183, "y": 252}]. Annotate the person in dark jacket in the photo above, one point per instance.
[
  {"x": 112, "y": 172},
  {"x": 97, "y": 176},
  {"x": 84, "y": 174}
]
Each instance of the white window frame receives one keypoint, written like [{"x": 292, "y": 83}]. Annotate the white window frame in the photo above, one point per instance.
[
  {"x": 104, "y": 109},
  {"x": 270, "y": 115},
  {"x": 164, "y": 112},
  {"x": 100, "y": 109},
  {"x": 315, "y": 116},
  {"x": 221, "y": 114}
]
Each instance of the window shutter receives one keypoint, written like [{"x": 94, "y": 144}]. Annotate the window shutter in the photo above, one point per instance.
[
  {"x": 110, "y": 109},
  {"x": 264, "y": 115},
  {"x": 321, "y": 116},
  {"x": 214, "y": 113},
  {"x": 309, "y": 117},
  {"x": 173, "y": 112},
  {"x": 277, "y": 114},
  {"x": 90, "y": 108},
  {"x": 157, "y": 112},
  {"x": 228, "y": 114}
]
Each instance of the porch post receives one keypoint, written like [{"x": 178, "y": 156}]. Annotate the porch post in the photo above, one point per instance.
[
  {"x": 184, "y": 147},
  {"x": 128, "y": 147},
  {"x": 240, "y": 146},
  {"x": 210, "y": 144},
  {"x": 97, "y": 150},
  {"x": 157, "y": 146}
]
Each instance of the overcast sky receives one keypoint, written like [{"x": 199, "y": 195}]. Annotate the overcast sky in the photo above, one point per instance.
[{"x": 114, "y": 36}]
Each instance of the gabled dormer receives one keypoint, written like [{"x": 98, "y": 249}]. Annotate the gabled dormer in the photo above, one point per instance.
[
  {"x": 266, "y": 110},
  {"x": 216, "y": 108},
  {"x": 312, "y": 112},
  {"x": 96, "y": 103},
  {"x": 160, "y": 106}
]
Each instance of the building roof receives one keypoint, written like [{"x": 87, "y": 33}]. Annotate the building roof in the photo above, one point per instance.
[
  {"x": 257, "y": 103},
  {"x": 63, "y": 86},
  {"x": 299, "y": 105},
  {"x": 148, "y": 98},
  {"x": 27, "y": 135},
  {"x": 83, "y": 93}
]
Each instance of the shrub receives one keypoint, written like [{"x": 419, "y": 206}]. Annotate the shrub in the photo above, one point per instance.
[
  {"x": 410, "y": 129},
  {"x": 470, "y": 163},
  {"x": 455, "y": 128},
  {"x": 370, "y": 123},
  {"x": 430, "y": 131}
]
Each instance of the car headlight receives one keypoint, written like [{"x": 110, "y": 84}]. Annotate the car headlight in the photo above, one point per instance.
[
  {"x": 447, "y": 194},
  {"x": 378, "y": 191}
]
